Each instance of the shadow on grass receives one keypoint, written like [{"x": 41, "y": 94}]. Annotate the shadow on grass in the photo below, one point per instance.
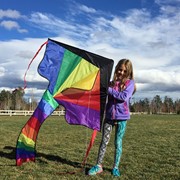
[
  {"x": 86, "y": 168},
  {"x": 55, "y": 158},
  {"x": 12, "y": 156},
  {"x": 8, "y": 155}
]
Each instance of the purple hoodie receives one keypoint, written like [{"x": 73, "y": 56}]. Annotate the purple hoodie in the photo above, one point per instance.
[{"x": 117, "y": 107}]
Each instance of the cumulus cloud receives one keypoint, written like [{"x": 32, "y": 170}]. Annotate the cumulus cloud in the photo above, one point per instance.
[
  {"x": 11, "y": 24},
  {"x": 15, "y": 57},
  {"x": 13, "y": 14}
]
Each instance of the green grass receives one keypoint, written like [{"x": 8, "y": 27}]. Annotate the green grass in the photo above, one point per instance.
[{"x": 151, "y": 150}]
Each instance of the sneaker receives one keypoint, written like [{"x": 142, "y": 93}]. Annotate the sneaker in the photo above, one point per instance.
[
  {"x": 115, "y": 172},
  {"x": 95, "y": 170}
]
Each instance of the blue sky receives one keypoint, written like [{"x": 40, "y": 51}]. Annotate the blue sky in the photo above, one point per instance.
[{"x": 145, "y": 31}]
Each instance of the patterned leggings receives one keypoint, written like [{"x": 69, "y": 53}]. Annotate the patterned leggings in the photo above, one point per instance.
[{"x": 119, "y": 133}]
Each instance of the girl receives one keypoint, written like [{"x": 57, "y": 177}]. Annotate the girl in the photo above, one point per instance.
[{"x": 120, "y": 91}]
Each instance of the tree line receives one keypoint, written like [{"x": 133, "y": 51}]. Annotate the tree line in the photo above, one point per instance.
[
  {"x": 15, "y": 101},
  {"x": 157, "y": 105}
]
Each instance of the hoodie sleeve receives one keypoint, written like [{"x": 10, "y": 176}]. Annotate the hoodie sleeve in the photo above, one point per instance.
[{"x": 122, "y": 95}]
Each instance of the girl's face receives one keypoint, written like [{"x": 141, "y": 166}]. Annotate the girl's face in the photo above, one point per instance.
[{"x": 121, "y": 72}]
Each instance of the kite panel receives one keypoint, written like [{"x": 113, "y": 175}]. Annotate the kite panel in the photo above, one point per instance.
[{"x": 78, "y": 80}]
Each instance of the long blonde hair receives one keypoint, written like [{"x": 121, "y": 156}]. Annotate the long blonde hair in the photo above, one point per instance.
[{"x": 129, "y": 72}]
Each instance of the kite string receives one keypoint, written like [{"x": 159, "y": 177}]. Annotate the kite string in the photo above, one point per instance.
[{"x": 25, "y": 83}]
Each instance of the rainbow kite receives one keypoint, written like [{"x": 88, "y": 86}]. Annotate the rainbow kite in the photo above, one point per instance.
[{"x": 78, "y": 80}]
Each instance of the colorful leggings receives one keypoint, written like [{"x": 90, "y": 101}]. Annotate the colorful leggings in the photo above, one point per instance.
[{"x": 119, "y": 133}]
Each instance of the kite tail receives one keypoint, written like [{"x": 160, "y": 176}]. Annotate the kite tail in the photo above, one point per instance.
[
  {"x": 26, "y": 143},
  {"x": 25, "y": 83},
  {"x": 93, "y": 136}
]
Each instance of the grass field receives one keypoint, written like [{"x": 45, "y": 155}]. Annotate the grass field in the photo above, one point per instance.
[{"x": 151, "y": 150}]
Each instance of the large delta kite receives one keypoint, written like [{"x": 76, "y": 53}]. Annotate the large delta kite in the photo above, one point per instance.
[{"x": 78, "y": 80}]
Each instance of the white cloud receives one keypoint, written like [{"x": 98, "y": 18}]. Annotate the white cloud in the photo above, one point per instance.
[
  {"x": 15, "y": 57},
  {"x": 50, "y": 23},
  {"x": 166, "y": 2},
  {"x": 13, "y": 14},
  {"x": 158, "y": 76},
  {"x": 87, "y": 9},
  {"x": 9, "y": 25},
  {"x": 2, "y": 71}
]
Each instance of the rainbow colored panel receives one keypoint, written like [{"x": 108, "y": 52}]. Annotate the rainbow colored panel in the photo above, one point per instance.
[{"x": 78, "y": 80}]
